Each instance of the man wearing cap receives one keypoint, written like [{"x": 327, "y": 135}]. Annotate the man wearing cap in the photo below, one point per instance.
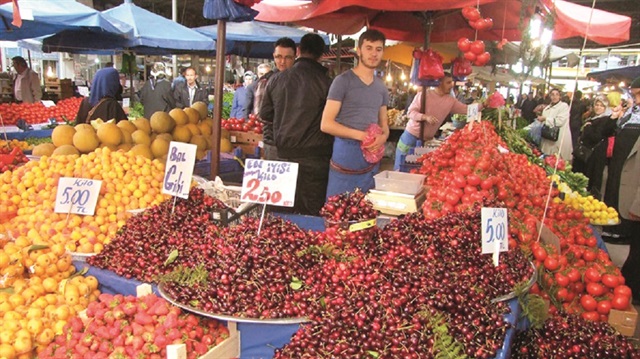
[
  {"x": 156, "y": 94},
  {"x": 190, "y": 91},
  {"x": 240, "y": 96},
  {"x": 26, "y": 85}
]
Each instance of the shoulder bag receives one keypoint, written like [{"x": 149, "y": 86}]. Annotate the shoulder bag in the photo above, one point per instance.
[
  {"x": 550, "y": 133},
  {"x": 91, "y": 112},
  {"x": 582, "y": 152}
]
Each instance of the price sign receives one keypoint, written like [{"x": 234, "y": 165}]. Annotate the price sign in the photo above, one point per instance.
[
  {"x": 77, "y": 195},
  {"x": 179, "y": 169},
  {"x": 48, "y": 103},
  {"x": 269, "y": 182},
  {"x": 472, "y": 113},
  {"x": 495, "y": 230}
]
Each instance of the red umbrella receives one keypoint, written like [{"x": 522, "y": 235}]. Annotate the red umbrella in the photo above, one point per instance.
[
  {"x": 398, "y": 20},
  {"x": 17, "y": 19}
]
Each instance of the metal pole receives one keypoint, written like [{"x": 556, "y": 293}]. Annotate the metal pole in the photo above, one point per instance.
[
  {"x": 338, "y": 55},
  {"x": 174, "y": 17},
  {"x": 218, "y": 94}
]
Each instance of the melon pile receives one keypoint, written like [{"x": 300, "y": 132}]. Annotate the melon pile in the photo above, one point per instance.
[{"x": 143, "y": 137}]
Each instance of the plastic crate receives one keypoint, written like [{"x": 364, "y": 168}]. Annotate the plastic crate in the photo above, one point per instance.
[{"x": 399, "y": 182}]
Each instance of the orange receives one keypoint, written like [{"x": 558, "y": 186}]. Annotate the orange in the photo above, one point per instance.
[{"x": 7, "y": 351}]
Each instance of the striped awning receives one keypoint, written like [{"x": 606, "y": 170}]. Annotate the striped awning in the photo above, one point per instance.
[{"x": 344, "y": 53}]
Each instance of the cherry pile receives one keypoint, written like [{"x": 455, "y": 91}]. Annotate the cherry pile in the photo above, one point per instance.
[
  {"x": 346, "y": 207},
  {"x": 154, "y": 242},
  {"x": 252, "y": 276},
  {"x": 130, "y": 327},
  {"x": 569, "y": 336},
  {"x": 419, "y": 289}
]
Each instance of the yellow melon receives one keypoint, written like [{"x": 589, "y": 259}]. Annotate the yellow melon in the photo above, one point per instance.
[
  {"x": 143, "y": 124},
  {"x": 179, "y": 116},
  {"x": 142, "y": 150},
  {"x": 194, "y": 115},
  {"x": 110, "y": 147},
  {"x": 181, "y": 134},
  {"x": 63, "y": 135},
  {"x": 224, "y": 133},
  {"x": 208, "y": 139},
  {"x": 84, "y": 126},
  {"x": 194, "y": 129},
  {"x": 202, "y": 109},
  {"x": 225, "y": 145},
  {"x": 43, "y": 149},
  {"x": 65, "y": 150},
  {"x": 165, "y": 136},
  {"x": 127, "y": 126},
  {"x": 161, "y": 122},
  {"x": 126, "y": 136},
  {"x": 109, "y": 134},
  {"x": 159, "y": 147},
  {"x": 200, "y": 154},
  {"x": 125, "y": 146},
  {"x": 86, "y": 141},
  {"x": 199, "y": 141},
  {"x": 141, "y": 137},
  {"x": 205, "y": 129}
]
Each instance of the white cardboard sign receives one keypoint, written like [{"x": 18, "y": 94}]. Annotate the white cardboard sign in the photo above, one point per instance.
[
  {"x": 269, "y": 182},
  {"x": 472, "y": 113},
  {"x": 495, "y": 231},
  {"x": 179, "y": 169},
  {"x": 77, "y": 195}
]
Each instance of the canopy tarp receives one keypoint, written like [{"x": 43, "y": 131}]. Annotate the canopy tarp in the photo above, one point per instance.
[
  {"x": 628, "y": 73},
  {"x": 46, "y": 17},
  {"x": 154, "y": 33},
  {"x": 254, "y": 38},
  {"x": 398, "y": 20}
]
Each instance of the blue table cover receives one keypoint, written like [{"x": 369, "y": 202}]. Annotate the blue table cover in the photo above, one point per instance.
[{"x": 34, "y": 133}]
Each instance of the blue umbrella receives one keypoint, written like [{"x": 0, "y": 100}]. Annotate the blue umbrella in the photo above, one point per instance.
[
  {"x": 254, "y": 38},
  {"x": 227, "y": 10},
  {"x": 45, "y": 17},
  {"x": 223, "y": 11},
  {"x": 153, "y": 33}
]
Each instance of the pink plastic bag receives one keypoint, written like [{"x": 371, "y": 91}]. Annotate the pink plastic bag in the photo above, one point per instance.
[{"x": 372, "y": 156}]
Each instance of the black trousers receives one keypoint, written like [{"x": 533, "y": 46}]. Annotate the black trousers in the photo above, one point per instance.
[{"x": 311, "y": 186}]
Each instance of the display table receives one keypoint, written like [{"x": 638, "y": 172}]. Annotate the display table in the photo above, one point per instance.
[
  {"x": 259, "y": 340},
  {"x": 33, "y": 133}
]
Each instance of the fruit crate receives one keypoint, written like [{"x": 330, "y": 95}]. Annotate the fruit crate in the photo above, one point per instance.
[{"x": 399, "y": 182}]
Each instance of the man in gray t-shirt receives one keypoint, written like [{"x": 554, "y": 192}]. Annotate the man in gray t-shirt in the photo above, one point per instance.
[{"x": 356, "y": 100}]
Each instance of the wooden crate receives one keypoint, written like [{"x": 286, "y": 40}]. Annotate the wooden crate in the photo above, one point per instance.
[
  {"x": 57, "y": 82},
  {"x": 229, "y": 348}
]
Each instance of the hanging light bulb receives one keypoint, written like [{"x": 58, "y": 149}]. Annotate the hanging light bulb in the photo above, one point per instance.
[
  {"x": 389, "y": 78},
  {"x": 49, "y": 72},
  {"x": 622, "y": 84},
  {"x": 534, "y": 26},
  {"x": 403, "y": 76},
  {"x": 207, "y": 68}
]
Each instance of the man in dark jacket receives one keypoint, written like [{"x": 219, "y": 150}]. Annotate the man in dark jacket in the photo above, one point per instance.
[
  {"x": 528, "y": 107},
  {"x": 293, "y": 104},
  {"x": 189, "y": 92}
]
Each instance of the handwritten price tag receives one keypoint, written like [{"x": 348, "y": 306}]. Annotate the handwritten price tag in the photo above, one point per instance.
[
  {"x": 495, "y": 230},
  {"x": 77, "y": 195},
  {"x": 269, "y": 182},
  {"x": 179, "y": 169},
  {"x": 472, "y": 113}
]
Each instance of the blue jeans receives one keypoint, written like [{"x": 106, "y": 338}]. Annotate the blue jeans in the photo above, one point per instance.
[{"x": 406, "y": 142}]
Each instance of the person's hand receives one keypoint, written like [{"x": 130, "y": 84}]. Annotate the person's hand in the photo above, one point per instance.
[
  {"x": 429, "y": 119},
  {"x": 380, "y": 141},
  {"x": 542, "y": 118},
  {"x": 617, "y": 112}
]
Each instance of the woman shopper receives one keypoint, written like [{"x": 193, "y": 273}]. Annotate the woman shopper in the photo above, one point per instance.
[
  {"x": 102, "y": 102},
  {"x": 556, "y": 114},
  {"x": 589, "y": 157}
]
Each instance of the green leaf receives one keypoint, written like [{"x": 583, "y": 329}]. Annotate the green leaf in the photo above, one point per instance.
[
  {"x": 7, "y": 290},
  {"x": 373, "y": 353},
  {"x": 194, "y": 303},
  {"x": 82, "y": 271},
  {"x": 36, "y": 247},
  {"x": 172, "y": 257},
  {"x": 323, "y": 303},
  {"x": 295, "y": 285}
]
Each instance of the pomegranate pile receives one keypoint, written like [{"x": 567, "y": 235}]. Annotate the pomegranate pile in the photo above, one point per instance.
[{"x": 118, "y": 326}]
